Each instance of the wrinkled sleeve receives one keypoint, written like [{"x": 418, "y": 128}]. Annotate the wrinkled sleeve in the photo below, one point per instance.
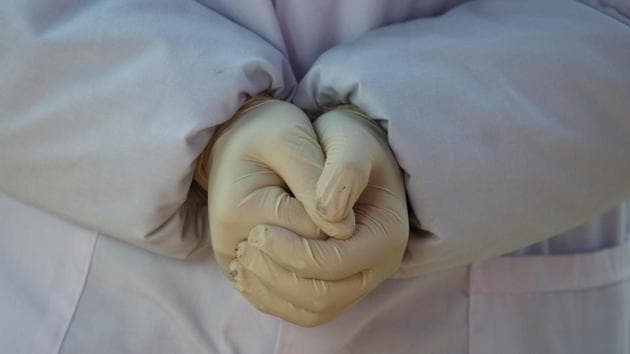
[
  {"x": 105, "y": 106},
  {"x": 510, "y": 119}
]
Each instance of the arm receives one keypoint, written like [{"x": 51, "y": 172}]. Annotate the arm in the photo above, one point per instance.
[
  {"x": 509, "y": 118},
  {"x": 106, "y": 105}
]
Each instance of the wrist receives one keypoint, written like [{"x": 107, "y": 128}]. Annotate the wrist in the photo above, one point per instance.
[{"x": 357, "y": 113}]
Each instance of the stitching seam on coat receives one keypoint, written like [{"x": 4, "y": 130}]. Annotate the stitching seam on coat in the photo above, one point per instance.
[{"x": 76, "y": 305}]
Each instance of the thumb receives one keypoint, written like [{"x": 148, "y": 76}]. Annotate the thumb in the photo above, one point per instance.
[
  {"x": 348, "y": 165},
  {"x": 298, "y": 159}
]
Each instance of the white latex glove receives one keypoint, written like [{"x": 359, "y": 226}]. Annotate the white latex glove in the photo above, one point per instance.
[
  {"x": 268, "y": 154},
  {"x": 308, "y": 281}
]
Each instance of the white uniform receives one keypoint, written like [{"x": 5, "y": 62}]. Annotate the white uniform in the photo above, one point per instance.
[{"x": 510, "y": 120}]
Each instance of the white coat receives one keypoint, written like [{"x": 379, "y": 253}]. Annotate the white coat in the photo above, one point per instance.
[{"x": 510, "y": 120}]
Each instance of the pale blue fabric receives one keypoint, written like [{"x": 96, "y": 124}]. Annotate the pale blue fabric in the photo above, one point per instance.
[
  {"x": 509, "y": 119},
  {"x": 106, "y": 105}
]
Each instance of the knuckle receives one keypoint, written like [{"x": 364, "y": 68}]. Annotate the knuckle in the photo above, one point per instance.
[
  {"x": 300, "y": 266},
  {"x": 320, "y": 300},
  {"x": 321, "y": 304},
  {"x": 397, "y": 245},
  {"x": 288, "y": 116},
  {"x": 313, "y": 320},
  {"x": 261, "y": 307}
]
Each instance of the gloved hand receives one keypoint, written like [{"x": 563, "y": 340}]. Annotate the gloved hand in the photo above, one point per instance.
[
  {"x": 309, "y": 281},
  {"x": 263, "y": 167}
]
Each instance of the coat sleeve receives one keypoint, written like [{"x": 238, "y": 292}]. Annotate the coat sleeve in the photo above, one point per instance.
[
  {"x": 105, "y": 106},
  {"x": 510, "y": 119}
]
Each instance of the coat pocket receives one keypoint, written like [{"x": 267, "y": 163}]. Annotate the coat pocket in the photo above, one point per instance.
[{"x": 578, "y": 303}]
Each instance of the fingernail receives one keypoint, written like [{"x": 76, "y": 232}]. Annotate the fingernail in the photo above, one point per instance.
[
  {"x": 240, "y": 249},
  {"x": 321, "y": 207},
  {"x": 333, "y": 204},
  {"x": 234, "y": 269},
  {"x": 258, "y": 237}
]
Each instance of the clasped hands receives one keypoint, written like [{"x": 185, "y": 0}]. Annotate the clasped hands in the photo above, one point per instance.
[{"x": 305, "y": 218}]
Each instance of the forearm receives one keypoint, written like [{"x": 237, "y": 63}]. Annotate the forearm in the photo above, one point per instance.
[
  {"x": 106, "y": 106},
  {"x": 508, "y": 117}
]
